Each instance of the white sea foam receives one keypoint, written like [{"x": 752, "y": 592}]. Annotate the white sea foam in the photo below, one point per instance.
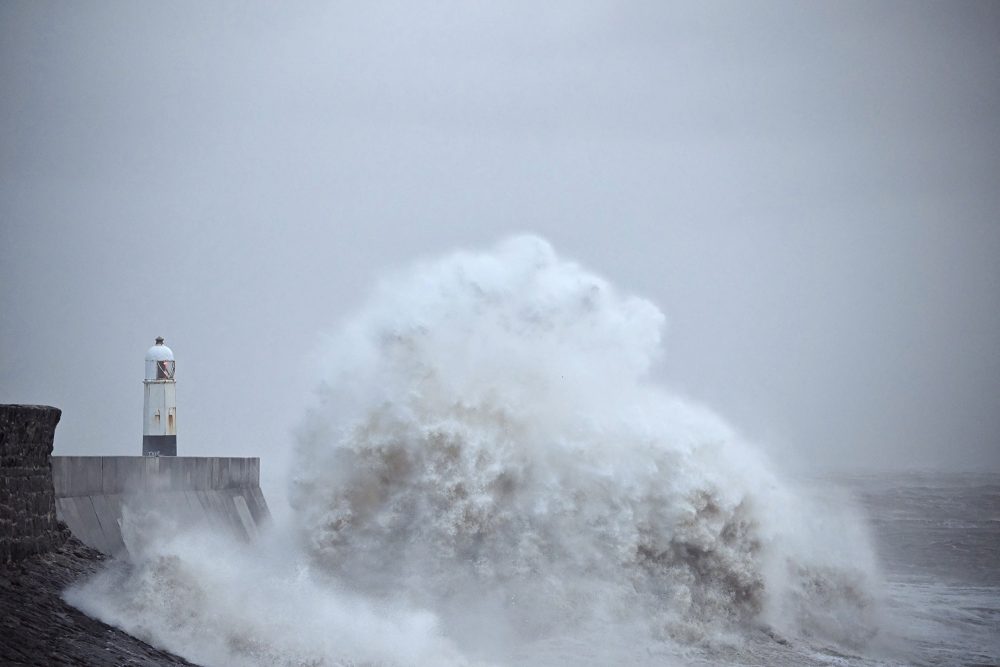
[{"x": 489, "y": 474}]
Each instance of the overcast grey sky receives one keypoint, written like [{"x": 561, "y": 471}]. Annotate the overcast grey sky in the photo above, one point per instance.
[{"x": 809, "y": 191}]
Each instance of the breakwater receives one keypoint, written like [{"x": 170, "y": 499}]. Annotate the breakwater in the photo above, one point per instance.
[{"x": 93, "y": 494}]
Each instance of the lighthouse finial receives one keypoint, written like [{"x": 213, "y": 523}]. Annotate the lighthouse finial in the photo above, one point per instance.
[{"x": 159, "y": 340}]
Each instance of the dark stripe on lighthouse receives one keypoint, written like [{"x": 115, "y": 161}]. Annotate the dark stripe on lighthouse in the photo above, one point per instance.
[{"x": 159, "y": 445}]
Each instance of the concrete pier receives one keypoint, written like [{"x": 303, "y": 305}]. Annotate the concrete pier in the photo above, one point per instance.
[{"x": 91, "y": 492}]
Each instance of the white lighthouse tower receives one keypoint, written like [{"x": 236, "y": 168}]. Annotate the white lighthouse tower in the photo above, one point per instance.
[{"x": 159, "y": 426}]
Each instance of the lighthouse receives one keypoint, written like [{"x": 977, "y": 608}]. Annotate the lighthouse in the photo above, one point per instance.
[{"x": 159, "y": 426}]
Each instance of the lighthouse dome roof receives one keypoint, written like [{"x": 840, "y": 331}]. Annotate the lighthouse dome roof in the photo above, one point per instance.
[{"x": 159, "y": 352}]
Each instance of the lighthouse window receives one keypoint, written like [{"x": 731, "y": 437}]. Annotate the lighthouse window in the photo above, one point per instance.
[
  {"x": 156, "y": 417},
  {"x": 164, "y": 370},
  {"x": 170, "y": 420}
]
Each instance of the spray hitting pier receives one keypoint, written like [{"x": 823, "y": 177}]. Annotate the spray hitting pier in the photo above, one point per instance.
[{"x": 95, "y": 494}]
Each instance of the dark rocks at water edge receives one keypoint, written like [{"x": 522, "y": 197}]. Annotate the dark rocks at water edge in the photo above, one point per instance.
[
  {"x": 39, "y": 560},
  {"x": 37, "y": 627}
]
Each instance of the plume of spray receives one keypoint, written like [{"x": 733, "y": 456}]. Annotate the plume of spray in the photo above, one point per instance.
[
  {"x": 489, "y": 473},
  {"x": 488, "y": 442}
]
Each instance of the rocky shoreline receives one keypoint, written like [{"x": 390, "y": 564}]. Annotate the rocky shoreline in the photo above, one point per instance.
[
  {"x": 39, "y": 560},
  {"x": 38, "y": 627}
]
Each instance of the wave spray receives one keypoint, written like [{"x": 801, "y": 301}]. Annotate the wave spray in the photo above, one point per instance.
[{"x": 490, "y": 475}]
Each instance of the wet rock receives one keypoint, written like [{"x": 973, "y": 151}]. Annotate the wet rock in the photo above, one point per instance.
[
  {"x": 39, "y": 560},
  {"x": 37, "y": 627}
]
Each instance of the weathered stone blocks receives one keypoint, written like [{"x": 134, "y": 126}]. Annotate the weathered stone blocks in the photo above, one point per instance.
[{"x": 28, "y": 523}]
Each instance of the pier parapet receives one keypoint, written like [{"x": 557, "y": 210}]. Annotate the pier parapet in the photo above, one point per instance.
[{"x": 92, "y": 492}]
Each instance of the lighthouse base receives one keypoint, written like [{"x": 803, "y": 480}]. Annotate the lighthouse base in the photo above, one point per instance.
[{"x": 159, "y": 445}]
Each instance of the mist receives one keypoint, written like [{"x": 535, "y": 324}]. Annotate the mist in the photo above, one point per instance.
[
  {"x": 808, "y": 192},
  {"x": 487, "y": 474}
]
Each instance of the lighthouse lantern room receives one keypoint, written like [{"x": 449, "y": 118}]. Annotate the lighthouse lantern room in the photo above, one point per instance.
[{"x": 159, "y": 428}]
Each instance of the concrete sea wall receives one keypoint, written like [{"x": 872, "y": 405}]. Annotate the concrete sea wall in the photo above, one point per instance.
[
  {"x": 28, "y": 522},
  {"x": 94, "y": 493}
]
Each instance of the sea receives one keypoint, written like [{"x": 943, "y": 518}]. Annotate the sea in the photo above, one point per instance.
[
  {"x": 937, "y": 536},
  {"x": 489, "y": 473}
]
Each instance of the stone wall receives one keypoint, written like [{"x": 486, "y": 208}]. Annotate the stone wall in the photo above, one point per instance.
[{"x": 28, "y": 523}]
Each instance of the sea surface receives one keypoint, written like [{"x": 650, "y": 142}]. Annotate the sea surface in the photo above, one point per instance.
[
  {"x": 488, "y": 476},
  {"x": 937, "y": 536},
  {"x": 937, "y": 542}
]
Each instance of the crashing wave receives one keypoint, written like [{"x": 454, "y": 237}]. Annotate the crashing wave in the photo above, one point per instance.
[
  {"x": 490, "y": 474},
  {"x": 488, "y": 435}
]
